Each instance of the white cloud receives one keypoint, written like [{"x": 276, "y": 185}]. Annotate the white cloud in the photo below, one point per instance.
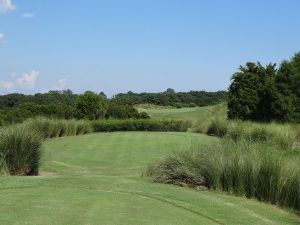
[
  {"x": 2, "y": 38},
  {"x": 25, "y": 81},
  {"x": 28, "y": 80},
  {"x": 28, "y": 15},
  {"x": 6, "y": 85},
  {"x": 6, "y": 6}
]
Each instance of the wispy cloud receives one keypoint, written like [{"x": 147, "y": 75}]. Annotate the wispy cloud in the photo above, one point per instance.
[
  {"x": 6, "y": 85},
  {"x": 28, "y": 80},
  {"x": 2, "y": 38},
  {"x": 25, "y": 81},
  {"x": 28, "y": 15},
  {"x": 6, "y": 6}
]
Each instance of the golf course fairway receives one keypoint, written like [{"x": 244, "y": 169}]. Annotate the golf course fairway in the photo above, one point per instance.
[{"x": 97, "y": 179}]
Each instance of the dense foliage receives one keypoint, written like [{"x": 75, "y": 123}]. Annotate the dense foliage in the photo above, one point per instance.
[
  {"x": 91, "y": 106},
  {"x": 16, "y": 108},
  {"x": 265, "y": 93},
  {"x": 117, "y": 111},
  {"x": 172, "y": 98},
  {"x": 66, "y": 97}
]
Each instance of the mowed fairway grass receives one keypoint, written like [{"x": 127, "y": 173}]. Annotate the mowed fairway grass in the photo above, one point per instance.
[
  {"x": 181, "y": 114},
  {"x": 96, "y": 179},
  {"x": 199, "y": 117}
]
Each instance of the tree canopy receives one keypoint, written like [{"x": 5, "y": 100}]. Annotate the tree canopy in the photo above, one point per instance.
[
  {"x": 265, "y": 93},
  {"x": 172, "y": 98},
  {"x": 91, "y": 106}
]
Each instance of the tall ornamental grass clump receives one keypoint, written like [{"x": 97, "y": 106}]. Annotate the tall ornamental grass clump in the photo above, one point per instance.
[
  {"x": 241, "y": 168},
  {"x": 54, "y": 128},
  {"x": 218, "y": 128},
  {"x": 281, "y": 135},
  {"x": 19, "y": 150}
]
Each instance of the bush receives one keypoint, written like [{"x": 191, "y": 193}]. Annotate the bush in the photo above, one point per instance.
[
  {"x": 178, "y": 105},
  {"x": 192, "y": 105},
  {"x": 116, "y": 111},
  {"x": 143, "y": 115},
  {"x": 20, "y": 150},
  {"x": 139, "y": 125},
  {"x": 91, "y": 106},
  {"x": 242, "y": 168}
]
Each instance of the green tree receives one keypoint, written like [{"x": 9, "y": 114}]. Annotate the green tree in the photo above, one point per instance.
[
  {"x": 243, "y": 94},
  {"x": 264, "y": 93},
  {"x": 296, "y": 85},
  {"x": 91, "y": 106},
  {"x": 283, "y": 102}
]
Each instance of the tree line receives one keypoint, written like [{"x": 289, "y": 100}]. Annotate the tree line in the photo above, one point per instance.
[
  {"x": 266, "y": 93},
  {"x": 15, "y": 107},
  {"x": 172, "y": 98}
]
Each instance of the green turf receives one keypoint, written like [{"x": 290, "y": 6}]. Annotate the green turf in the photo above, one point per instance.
[
  {"x": 96, "y": 179},
  {"x": 199, "y": 117}
]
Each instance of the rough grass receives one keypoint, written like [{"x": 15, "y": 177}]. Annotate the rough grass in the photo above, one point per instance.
[
  {"x": 242, "y": 168},
  {"x": 19, "y": 150},
  {"x": 212, "y": 120},
  {"x": 53, "y": 128},
  {"x": 284, "y": 136}
]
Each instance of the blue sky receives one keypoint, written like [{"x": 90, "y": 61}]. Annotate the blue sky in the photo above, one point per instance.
[{"x": 139, "y": 45}]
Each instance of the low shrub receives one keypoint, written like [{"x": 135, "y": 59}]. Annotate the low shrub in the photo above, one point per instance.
[
  {"x": 242, "y": 168},
  {"x": 20, "y": 150},
  {"x": 139, "y": 125}
]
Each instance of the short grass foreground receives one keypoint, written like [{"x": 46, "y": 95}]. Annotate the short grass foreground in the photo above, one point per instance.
[{"x": 96, "y": 179}]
